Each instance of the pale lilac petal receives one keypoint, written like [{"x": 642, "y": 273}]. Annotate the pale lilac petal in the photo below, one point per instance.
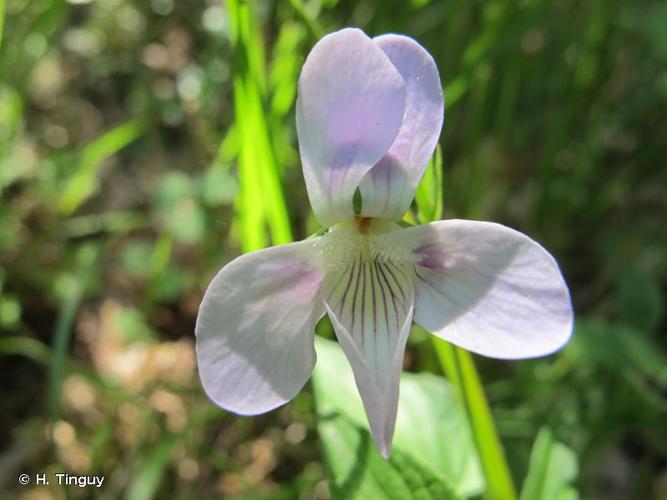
[
  {"x": 370, "y": 304},
  {"x": 350, "y": 106},
  {"x": 255, "y": 328},
  {"x": 489, "y": 289},
  {"x": 388, "y": 189}
]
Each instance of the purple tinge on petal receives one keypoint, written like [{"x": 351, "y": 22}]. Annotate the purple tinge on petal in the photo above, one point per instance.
[
  {"x": 297, "y": 279},
  {"x": 431, "y": 255},
  {"x": 350, "y": 106},
  {"x": 388, "y": 189},
  {"x": 489, "y": 289},
  {"x": 254, "y": 332}
]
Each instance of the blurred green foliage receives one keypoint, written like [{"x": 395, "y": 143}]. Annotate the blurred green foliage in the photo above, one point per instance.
[{"x": 145, "y": 144}]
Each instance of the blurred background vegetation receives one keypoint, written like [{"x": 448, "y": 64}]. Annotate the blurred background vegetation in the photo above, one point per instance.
[{"x": 143, "y": 144}]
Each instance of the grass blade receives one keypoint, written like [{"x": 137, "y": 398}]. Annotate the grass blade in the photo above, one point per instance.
[
  {"x": 64, "y": 326},
  {"x": 83, "y": 182},
  {"x": 2, "y": 19},
  {"x": 25, "y": 346},
  {"x": 261, "y": 198},
  {"x": 147, "y": 481}
]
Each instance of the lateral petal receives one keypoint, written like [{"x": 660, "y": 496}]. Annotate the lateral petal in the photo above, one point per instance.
[
  {"x": 350, "y": 106},
  {"x": 255, "y": 328},
  {"x": 370, "y": 304},
  {"x": 389, "y": 187},
  {"x": 489, "y": 289}
]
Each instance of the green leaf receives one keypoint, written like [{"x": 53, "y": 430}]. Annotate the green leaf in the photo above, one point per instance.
[
  {"x": 432, "y": 440},
  {"x": 429, "y": 191},
  {"x": 553, "y": 467},
  {"x": 359, "y": 472}
]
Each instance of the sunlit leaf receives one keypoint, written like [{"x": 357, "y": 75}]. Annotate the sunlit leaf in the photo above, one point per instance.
[
  {"x": 359, "y": 472},
  {"x": 431, "y": 429}
]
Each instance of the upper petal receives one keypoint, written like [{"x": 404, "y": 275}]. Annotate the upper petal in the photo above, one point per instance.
[
  {"x": 388, "y": 189},
  {"x": 350, "y": 106},
  {"x": 489, "y": 289},
  {"x": 255, "y": 328},
  {"x": 370, "y": 303}
]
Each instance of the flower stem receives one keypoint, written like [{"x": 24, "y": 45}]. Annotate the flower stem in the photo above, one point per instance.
[{"x": 459, "y": 366}]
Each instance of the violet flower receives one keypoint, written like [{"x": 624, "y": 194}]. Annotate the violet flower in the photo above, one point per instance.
[{"x": 369, "y": 113}]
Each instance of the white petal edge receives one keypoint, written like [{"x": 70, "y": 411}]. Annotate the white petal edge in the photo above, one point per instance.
[
  {"x": 350, "y": 106},
  {"x": 489, "y": 289},
  {"x": 255, "y": 328},
  {"x": 370, "y": 305},
  {"x": 388, "y": 189}
]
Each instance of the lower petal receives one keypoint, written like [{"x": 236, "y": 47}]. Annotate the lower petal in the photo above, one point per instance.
[
  {"x": 255, "y": 328},
  {"x": 370, "y": 304},
  {"x": 489, "y": 289}
]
